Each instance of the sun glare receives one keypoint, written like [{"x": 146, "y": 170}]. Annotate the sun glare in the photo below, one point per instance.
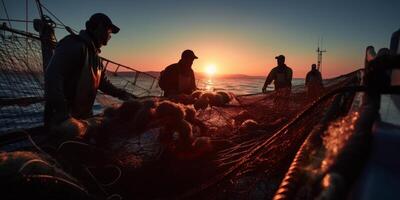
[{"x": 210, "y": 69}]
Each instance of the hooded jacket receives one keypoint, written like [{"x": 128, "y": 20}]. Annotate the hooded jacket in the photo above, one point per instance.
[{"x": 72, "y": 78}]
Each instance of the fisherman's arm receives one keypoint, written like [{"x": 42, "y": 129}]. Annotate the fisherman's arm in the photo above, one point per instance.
[
  {"x": 166, "y": 81},
  {"x": 307, "y": 78},
  {"x": 65, "y": 60},
  {"x": 268, "y": 80},
  {"x": 290, "y": 73},
  {"x": 194, "y": 87},
  {"x": 107, "y": 87}
]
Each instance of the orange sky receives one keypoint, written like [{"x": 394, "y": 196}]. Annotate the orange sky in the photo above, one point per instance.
[
  {"x": 234, "y": 57},
  {"x": 239, "y": 37}
]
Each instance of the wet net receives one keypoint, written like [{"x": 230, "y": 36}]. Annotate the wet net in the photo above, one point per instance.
[{"x": 254, "y": 137}]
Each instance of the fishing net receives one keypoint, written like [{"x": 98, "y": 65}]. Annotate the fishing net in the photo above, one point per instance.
[
  {"x": 247, "y": 161},
  {"x": 255, "y": 137},
  {"x": 22, "y": 81}
]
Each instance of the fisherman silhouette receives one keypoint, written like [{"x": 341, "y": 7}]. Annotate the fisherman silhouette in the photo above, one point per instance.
[
  {"x": 313, "y": 82},
  {"x": 178, "y": 79},
  {"x": 282, "y": 77},
  {"x": 74, "y": 74}
]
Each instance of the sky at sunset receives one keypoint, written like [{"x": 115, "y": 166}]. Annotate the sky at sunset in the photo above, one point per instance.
[{"x": 238, "y": 37}]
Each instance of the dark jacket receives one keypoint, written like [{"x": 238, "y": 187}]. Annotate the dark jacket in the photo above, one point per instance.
[
  {"x": 314, "y": 78},
  {"x": 72, "y": 78},
  {"x": 169, "y": 80},
  {"x": 282, "y": 77}
]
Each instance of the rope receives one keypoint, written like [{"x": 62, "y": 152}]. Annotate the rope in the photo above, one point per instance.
[
  {"x": 5, "y": 9},
  {"x": 58, "y": 179},
  {"x": 69, "y": 29}
]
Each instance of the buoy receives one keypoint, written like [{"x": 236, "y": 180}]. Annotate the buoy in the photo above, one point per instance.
[
  {"x": 202, "y": 145},
  {"x": 128, "y": 109},
  {"x": 196, "y": 94},
  {"x": 170, "y": 110},
  {"x": 225, "y": 97},
  {"x": 201, "y": 103},
  {"x": 241, "y": 117},
  {"x": 184, "y": 128},
  {"x": 248, "y": 125},
  {"x": 190, "y": 114},
  {"x": 216, "y": 100}
]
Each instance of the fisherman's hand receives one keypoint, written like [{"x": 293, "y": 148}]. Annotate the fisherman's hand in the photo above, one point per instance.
[
  {"x": 264, "y": 89},
  {"x": 95, "y": 122},
  {"x": 72, "y": 127}
]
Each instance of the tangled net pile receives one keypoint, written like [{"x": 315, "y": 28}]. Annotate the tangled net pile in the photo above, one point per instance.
[{"x": 254, "y": 137}]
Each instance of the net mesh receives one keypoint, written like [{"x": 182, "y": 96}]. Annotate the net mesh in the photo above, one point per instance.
[
  {"x": 21, "y": 83},
  {"x": 245, "y": 165}
]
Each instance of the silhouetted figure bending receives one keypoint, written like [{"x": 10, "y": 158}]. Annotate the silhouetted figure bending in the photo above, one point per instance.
[{"x": 178, "y": 79}]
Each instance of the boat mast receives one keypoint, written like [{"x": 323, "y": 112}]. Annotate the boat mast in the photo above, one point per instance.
[
  {"x": 320, "y": 51},
  {"x": 45, "y": 27}
]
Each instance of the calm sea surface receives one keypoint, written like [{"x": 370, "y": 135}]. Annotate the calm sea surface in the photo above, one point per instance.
[{"x": 239, "y": 86}]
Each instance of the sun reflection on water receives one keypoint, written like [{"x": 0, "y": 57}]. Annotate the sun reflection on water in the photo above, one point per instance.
[{"x": 209, "y": 85}]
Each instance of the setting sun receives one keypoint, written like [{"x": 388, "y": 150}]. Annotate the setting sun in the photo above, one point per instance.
[{"x": 210, "y": 69}]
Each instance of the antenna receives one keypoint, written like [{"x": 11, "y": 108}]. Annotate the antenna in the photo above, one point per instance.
[{"x": 320, "y": 51}]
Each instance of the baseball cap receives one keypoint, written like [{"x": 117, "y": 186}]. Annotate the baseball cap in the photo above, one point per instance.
[
  {"x": 104, "y": 19},
  {"x": 280, "y": 57},
  {"x": 188, "y": 54}
]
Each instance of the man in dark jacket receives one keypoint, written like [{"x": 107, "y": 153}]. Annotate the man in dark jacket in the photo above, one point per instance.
[
  {"x": 178, "y": 78},
  {"x": 281, "y": 75},
  {"x": 75, "y": 72},
  {"x": 314, "y": 81}
]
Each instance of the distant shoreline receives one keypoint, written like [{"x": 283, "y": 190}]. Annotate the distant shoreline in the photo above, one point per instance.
[{"x": 199, "y": 75}]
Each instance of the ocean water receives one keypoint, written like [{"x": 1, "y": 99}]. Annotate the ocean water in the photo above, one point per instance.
[{"x": 239, "y": 86}]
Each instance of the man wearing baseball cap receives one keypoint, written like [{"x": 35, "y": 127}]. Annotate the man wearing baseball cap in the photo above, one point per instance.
[
  {"x": 178, "y": 78},
  {"x": 281, "y": 75},
  {"x": 74, "y": 74}
]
